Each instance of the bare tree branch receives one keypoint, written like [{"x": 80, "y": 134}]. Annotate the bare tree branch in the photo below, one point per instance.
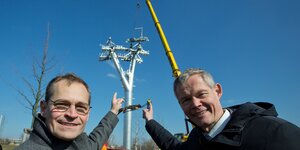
[
  {"x": 30, "y": 86},
  {"x": 37, "y": 88},
  {"x": 26, "y": 98},
  {"x": 23, "y": 104}
]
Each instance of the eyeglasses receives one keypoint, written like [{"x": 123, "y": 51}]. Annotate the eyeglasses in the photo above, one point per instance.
[{"x": 64, "y": 105}]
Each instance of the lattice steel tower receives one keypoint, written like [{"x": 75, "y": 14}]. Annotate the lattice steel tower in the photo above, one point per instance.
[{"x": 132, "y": 54}]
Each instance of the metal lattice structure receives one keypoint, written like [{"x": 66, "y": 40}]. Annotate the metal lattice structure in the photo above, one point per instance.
[{"x": 114, "y": 52}]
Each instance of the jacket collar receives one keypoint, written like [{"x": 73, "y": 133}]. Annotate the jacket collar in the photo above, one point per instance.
[
  {"x": 240, "y": 115},
  {"x": 43, "y": 136}
]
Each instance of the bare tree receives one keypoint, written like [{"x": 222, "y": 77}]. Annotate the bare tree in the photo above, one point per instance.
[
  {"x": 39, "y": 68},
  {"x": 136, "y": 139},
  {"x": 149, "y": 145}
]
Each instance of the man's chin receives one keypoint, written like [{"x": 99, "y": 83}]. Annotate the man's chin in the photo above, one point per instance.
[
  {"x": 201, "y": 122},
  {"x": 66, "y": 136}
]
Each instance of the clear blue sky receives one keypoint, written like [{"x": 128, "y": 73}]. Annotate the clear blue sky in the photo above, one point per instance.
[{"x": 251, "y": 47}]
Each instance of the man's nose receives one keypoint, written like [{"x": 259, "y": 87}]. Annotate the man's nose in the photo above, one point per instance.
[
  {"x": 195, "y": 101},
  {"x": 71, "y": 112}
]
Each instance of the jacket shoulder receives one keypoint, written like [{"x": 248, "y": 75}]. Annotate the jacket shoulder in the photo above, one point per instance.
[{"x": 32, "y": 145}]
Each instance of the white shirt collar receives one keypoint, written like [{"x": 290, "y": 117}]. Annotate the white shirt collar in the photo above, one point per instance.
[{"x": 219, "y": 126}]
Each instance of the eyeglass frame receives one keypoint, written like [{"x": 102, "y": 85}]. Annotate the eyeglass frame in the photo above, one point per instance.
[{"x": 68, "y": 106}]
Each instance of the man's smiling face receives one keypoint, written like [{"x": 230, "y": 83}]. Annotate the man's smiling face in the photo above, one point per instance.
[
  {"x": 69, "y": 124},
  {"x": 200, "y": 102}
]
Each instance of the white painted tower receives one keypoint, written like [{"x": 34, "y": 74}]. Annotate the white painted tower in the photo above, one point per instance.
[{"x": 132, "y": 54}]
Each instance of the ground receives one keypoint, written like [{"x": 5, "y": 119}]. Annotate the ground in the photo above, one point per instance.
[{"x": 8, "y": 147}]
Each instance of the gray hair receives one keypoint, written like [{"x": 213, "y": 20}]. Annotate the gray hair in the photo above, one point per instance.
[{"x": 206, "y": 76}]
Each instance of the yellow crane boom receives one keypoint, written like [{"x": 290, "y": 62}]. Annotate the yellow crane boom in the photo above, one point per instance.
[{"x": 176, "y": 71}]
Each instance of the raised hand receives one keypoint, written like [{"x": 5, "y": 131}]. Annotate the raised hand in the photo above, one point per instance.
[
  {"x": 116, "y": 104},
  {"x": 148, "y": 113}
]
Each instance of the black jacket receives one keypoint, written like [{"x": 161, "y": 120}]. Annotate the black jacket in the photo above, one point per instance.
[
  {"x": 42, "y": 139},
  {"x": 253, "y": 126}
]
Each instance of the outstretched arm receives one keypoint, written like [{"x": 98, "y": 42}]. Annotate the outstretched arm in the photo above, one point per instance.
[
  {"x": 102, "y": 132},
  {"x": 162, "y": 137}
]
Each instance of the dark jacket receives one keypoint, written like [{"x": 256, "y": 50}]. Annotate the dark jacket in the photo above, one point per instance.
[
  {"x": 42, "y": 139},
  {"x": 253, "y": 126}
]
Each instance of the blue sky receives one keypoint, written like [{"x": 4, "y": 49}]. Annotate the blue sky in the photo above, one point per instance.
[{"x": 251, "y": 47}]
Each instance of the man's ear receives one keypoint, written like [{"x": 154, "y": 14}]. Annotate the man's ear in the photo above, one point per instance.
[
  {"x": 218, "y": 89},
  {"x": 43, "y": 105}
]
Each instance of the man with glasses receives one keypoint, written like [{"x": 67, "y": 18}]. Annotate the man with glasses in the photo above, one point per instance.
[{"x": 64, "y": 114}]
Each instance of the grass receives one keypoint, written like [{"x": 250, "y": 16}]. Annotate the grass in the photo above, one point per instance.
[{"x": 8, "y": 147}]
